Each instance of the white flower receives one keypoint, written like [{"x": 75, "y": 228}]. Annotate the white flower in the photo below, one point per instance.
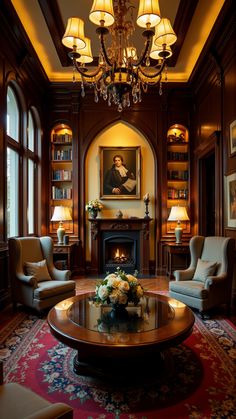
[
  {"x": 124, "y": 286},
  {"x": 94, "y": 205},
  {"x": 132, "y": 278},
  {"x": 103, "y": 292},
  {"x": 113, "y": 282}
]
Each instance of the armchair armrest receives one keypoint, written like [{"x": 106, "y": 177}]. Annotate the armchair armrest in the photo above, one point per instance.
[
  {"x": 27, "y": 279},
  {"x": 60, "y": 275},
  {"x": 213, "y": 280},
  {"x": 184, "y": 275}
]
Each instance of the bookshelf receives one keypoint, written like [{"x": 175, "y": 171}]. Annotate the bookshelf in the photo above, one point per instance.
[
  {"x": 61, "y": 166},
  {"x": 178, "y": 173}
]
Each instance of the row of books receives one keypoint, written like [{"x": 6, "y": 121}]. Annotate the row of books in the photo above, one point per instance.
[
  {"x": 173, "y": 193},
  {"x": 61, "y": 175},
  {"x": 177, "y": 174},
  {"x": 65, "y": 154},
  {"x": 61, "y": 193},
  {"x": 62, "y": 138},
  {"x": 176, "y": 156}
]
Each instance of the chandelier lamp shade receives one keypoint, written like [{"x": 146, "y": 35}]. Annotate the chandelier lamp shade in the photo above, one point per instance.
[
  {"x": 178, "y": 214},
  {"x": 121, "y": 74},
  {"x": 61, "y": 214}
]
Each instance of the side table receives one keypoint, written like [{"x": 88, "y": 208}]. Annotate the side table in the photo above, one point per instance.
[
  {"x": 177, "y": 257},
  {"x": 64, "y": 253}
]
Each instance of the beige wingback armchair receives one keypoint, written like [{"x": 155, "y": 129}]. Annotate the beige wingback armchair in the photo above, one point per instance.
[
  {"x": 35, "y": 281},
  {"x": 18, "y": 402},
  {"x": 208, "y": 280}
]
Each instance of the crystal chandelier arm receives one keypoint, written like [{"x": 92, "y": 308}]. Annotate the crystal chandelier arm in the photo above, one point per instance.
[
  {"x": 104, "y": 48},
  {"x": 152, "y": 75},
  {"x": 147, "y": 34},
  {"x": 83, "y": 70}
]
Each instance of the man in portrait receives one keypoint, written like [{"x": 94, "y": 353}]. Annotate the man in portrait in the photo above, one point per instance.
[{"x": 119, "y": 180}]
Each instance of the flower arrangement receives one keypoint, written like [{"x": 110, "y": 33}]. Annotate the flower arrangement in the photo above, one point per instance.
[
  {"x": 118, "y": 288},
  {"x": 94, "y": 205}
]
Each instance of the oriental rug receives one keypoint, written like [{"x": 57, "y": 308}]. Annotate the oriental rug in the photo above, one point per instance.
[{"x": 201, "y": 385}]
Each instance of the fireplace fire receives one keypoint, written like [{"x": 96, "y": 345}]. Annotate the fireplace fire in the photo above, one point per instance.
[{"x": 120, "y": 250}]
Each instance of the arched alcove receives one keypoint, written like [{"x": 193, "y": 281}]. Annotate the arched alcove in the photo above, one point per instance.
[{"x": 120, "y": 134}]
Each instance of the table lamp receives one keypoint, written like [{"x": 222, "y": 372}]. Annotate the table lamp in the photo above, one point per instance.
[
  {"x": 61, "y": 214},
  {"x": 178, "y": 214}
]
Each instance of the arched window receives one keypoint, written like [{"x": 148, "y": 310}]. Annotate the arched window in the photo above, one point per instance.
[
  {"x": 23, "y": 166},
  {"x": 12, "y": 115},
  {"x": 13, "y": 159}
]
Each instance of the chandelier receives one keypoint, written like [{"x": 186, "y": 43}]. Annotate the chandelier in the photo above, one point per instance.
[{"x": 121, "y": 75}]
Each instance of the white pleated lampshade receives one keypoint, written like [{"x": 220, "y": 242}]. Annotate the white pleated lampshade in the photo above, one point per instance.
[
  {"x": 61, "y": 214},
  {"x": 178, "y": 214},
  {"x": 156, "y": 52},
  {"x": 86, "y": 53},
  {"x": 164, "y": 33},
  {"x": 148, "y": 13},
  {"x": 74, "y": 34},
  {"x": 102, "y": 10}
]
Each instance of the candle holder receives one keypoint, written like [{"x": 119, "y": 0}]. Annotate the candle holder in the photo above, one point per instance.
[{"x": 146, "y": 202}]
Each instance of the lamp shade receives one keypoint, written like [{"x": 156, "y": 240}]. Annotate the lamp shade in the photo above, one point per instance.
[
  {"x": 157, "y": 52},
  {"x": 178, "y": 214},
  {"x": 102, "y": 10},
  {"x": 164, "y": 33},
  {"x": 61, "y": 214},
  {"x": 85, "y": 53},
  {"x": 148, "y": 13},
  {"x": 74, "y": 34}
]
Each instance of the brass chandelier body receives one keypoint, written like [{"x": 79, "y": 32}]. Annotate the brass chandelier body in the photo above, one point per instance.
[{"x": 120, "y": 73}]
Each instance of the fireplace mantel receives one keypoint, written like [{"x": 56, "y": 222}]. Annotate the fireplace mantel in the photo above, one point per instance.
[{"x": 99, "y": 225}]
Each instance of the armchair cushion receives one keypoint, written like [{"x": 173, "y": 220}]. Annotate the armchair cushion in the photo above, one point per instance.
[
  {"x": 38, "y": 269},
  {"x": 189, "y": 288},
  {"x": 48, "y": 289},
  {"x": 204, "y": 269}
]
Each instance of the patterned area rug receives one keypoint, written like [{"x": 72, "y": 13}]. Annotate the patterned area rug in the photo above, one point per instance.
[{"x": 201, "y": 383}]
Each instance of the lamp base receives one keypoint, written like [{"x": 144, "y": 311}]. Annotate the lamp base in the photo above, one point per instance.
[
  {"x": 60, "y": 233},
  {"x": 178, "y": 234}
]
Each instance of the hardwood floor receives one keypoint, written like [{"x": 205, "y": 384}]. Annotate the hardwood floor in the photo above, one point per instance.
[{"x": 160, "y": 283}]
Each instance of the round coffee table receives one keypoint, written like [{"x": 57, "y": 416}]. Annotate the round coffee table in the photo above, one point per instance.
[{"x": 112, "y": 347}]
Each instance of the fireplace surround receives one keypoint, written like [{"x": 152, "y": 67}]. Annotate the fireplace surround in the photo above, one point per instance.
[{"x": 119, "y": 242}]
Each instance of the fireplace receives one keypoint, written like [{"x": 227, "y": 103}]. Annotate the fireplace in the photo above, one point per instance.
[
  {"x": 122, "y": 242},
  {"x": 120, "y": 249}
]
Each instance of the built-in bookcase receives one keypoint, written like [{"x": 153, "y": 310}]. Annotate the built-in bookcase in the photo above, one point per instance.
[
  {"x": 178, "y": 173},
  {"x": 61, "y": 179}
]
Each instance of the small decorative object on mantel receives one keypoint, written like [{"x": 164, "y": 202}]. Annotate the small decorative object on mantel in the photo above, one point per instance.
[
  {"x": 146, "y": 201},
  {"x": 93, "y": 207},
  {"x": 118, "y": 289},
  {"x": 119, "y": 214}
]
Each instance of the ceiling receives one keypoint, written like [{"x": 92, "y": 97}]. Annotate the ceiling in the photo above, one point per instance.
[{"x": 45, "y": 20}]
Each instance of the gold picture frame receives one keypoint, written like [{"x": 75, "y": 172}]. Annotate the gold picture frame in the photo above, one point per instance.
[
  {"x": 231, "y": 200},
  {"x": 232, "y": 138},
  {"x": 120, "y": 172}
]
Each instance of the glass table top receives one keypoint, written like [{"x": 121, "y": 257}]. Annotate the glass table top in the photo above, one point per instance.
[{"x": 150, "y": 314}]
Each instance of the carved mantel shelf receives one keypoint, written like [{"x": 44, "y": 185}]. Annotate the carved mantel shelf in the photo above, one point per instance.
[{"x": 99, "y": 225}]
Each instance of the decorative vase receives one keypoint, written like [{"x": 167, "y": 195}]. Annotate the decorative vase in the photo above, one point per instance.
[
  {"x": 93, "y": 213},
  {"x": 119, "y": 312}
]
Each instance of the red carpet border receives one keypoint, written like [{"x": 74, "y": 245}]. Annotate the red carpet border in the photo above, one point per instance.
[{"x": 202, "y": 384}]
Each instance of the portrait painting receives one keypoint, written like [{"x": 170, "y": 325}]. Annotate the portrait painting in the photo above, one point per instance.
[
  {"x": 231, "y": 200},
  {"x": 120, "y": 172},
  {"x": 232, "y": 138}
]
